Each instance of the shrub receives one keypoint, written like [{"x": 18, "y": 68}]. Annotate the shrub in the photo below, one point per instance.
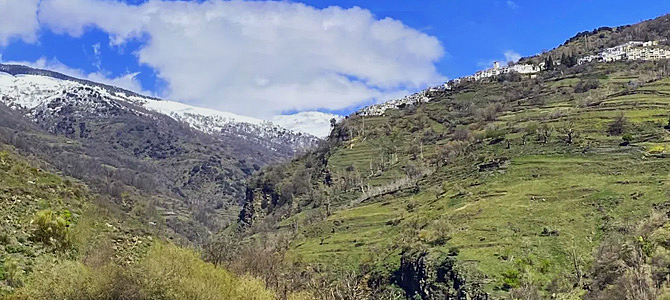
[
  {"x": 586, "y": 85},
  {"x": 411, "y": 205},
  {"x": 461, "y": 134},
  {"x": 511, "y": 279},
  {"x": 451, "y": 150},
  {"x": 618, "y": 125},
  {"x": 494, "y": 133},
  {"x": 526, "y": 291},
  {"x": 51, "y": 230},
  {"x": 301, "y": 296},
  {"x": 65, "y": 280},
  {"x": 166, "y": 272},
  {"x": 489, "y": 113},
  {"x": 12, "y": 273}
]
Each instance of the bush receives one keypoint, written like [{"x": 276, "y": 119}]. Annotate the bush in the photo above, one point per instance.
[
  {"x": 526, "y": 291},
  {"x": 450, "y": 151},
  {"x": 626, "y": 138},
  {"x": 511, "y": 279},
  {"x": 494, "y": 133},
  {"x": 489, "y": 113},
  {"x": 461, "y": 134},
  {"x": 51, "y": 230},
  {"x": 12, "y": 273},
  {"x": 544, "y": 132},
  {"x": 585, "y": 85},
  {"x": 618, "y": 126},
  {"x": 166, "y": 272}
]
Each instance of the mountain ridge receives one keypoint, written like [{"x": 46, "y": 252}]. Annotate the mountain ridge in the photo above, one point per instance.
[
  {"x": 129, "y": 146},
  {"x": 505, "y": 187}
]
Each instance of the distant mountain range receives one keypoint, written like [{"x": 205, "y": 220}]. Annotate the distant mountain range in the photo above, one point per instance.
[
  {"x": 23, "y": 87},
  {"x": 125, "y": 143}
]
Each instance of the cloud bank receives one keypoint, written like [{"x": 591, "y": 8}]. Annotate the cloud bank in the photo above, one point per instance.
[
  {"x": 18, "y": 21},
  {"x": 260, "y": 58}
]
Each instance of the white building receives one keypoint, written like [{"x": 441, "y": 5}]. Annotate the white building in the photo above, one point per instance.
[{"x": 633, "y": 50}]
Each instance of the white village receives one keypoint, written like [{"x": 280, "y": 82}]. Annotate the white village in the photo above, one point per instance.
[{"x": 632, "y": 51}]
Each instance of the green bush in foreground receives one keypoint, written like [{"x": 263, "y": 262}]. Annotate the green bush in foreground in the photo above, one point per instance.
[{"x": 167, "y": 272}]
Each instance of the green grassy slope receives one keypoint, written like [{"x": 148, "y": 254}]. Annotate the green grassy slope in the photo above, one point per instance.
[
  {"x": 497, "y": 198},
  {"x": 59, "y": 241}
]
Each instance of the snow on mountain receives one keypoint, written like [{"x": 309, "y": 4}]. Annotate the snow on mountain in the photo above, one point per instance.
[
  {"x": 38, "y": 93},
  {"x": 171, "y": 107},
  {"x": 312, "y": 122},
  {"x": 28, "y": 91}
]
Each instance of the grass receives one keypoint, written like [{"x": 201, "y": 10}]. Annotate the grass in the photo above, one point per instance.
[
  {"x": 108, "y": 254},
  {"x": 553, "y": 202}
]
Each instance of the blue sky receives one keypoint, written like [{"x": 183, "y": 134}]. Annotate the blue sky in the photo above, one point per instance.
[
  {"x": 475, "y": 32},
  {"x": 469, "y": 35}
]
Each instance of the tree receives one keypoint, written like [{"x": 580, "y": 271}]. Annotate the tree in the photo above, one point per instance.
[
  {"x": 618, "y": 125},
  {"x": 544, "y": 132},
  {"x": 461, "y": 133},
  {"x": 222, "y": 249},
  {"x": 568, "y": 130},
  {"x": 586, "y": 85},
  {"x": 529, "y": 130},
  {"x": 568, "y": 60},
  {"x": 549, "y": 63},
  {"x": 564, "y": 59}
]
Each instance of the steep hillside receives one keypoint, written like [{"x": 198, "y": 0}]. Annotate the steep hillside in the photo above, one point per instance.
[
  {"x": 59, "y": 241},
  {"x": 590, "y": 42},
  {"x": 497, "y": 187},
  {"x": 181, "y": 165}
]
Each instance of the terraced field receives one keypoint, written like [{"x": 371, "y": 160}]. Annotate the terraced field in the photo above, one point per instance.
[{"x": 513, "y": 205}]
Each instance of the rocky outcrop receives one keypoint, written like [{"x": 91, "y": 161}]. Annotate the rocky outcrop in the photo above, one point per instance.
[{"x": 437, "y": 276}]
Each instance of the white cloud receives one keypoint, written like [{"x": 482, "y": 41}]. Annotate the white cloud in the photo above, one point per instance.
[
  {"x": 512, "y": 56},
  {"x": 127, "y": 81},
  {"x": 18, "y": 20},
  {"x": 97, "y": 59},
  {"x": 509, "y": 56},
  {"x": 511, "y": 4},
  {"x": 313, "y": 122},
  {"x": 261, "y": 58}
]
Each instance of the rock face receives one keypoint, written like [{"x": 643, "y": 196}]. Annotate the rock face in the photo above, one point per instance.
[{"x": 429, "y": 276}]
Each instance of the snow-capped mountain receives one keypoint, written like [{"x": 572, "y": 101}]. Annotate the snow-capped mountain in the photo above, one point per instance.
[
  {"x": 312, "y": 122},
  {"x": 40, "y": 93}
]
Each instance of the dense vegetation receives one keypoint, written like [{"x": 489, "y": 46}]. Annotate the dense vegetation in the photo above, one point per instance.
[
  {"x": 511, "y": 187},
  {"x": 58, "y": 244}
]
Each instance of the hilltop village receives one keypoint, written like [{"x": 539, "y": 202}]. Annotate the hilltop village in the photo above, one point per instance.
[{"x": 633, "y": 50}]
